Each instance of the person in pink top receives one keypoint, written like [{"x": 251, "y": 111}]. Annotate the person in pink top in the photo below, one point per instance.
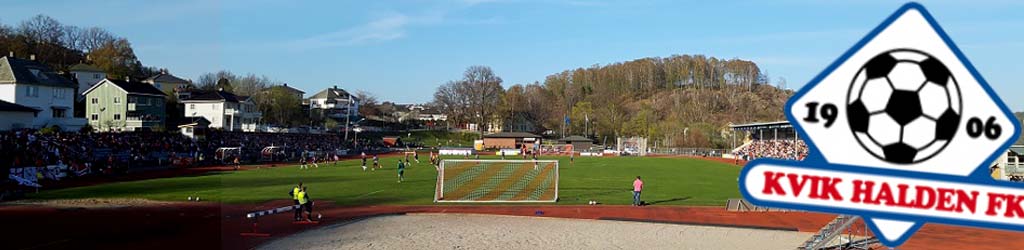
[{"x": 638, "y": 185}]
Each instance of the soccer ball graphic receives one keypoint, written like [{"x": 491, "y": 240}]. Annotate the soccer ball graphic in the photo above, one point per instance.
[{"x": 904, "y": 106}]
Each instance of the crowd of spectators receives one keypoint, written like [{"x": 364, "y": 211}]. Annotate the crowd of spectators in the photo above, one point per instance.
[
  {"x": 777, "y": 149},
  {"x": 116, "y": 152}
]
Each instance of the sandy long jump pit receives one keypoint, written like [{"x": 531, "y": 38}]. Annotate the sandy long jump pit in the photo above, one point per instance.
[{"x": 470, "y": 231}]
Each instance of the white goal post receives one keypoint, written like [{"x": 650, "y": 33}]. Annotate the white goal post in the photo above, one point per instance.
[{"x": 497, "y": 181}]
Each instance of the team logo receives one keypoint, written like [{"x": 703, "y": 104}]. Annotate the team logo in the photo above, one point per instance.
[{"x": 902, "y": 130}]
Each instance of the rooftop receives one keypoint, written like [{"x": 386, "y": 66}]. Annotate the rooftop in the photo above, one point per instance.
[
  {"x": 22, "y": 71},
  {"x": 13, "y": 107},
  {"x": 286, "y": 87},
  {"x": 85, "y": 68},
  {"x": 511, "y": 135},
  {"x": 131, "y": 87},
  {"x": 576, "y": 138},
  {"x": 217, "y": 96},
  {"x": 165, "y": 77}
]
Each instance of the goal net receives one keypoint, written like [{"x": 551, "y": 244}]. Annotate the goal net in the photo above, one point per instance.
[{"x": 497, "y": 181}]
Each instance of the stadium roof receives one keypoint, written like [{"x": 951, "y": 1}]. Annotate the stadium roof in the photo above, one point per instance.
[
  {"x": 1019, "y": 149},
  {"x": 14, "y": 107},
  {"x": 761, "y": 125},
  {"x": 194, "y": 121},
  {"x": 21, "y": 71},
  {"x": 512, "y": 135}
]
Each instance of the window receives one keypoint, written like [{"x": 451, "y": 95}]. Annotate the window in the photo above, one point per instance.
[
  {"x": 132, "y": 99},
  {"x": 96, "y": 76},
  {"x": 191, "y": 106},
  {"x": 117, "y": 100},
  {"x": 94, "y": 117},
  {"x": 32, "y": 91},
  {"x": 95, "y": 100},
  {"x": 58, "y": 113},
  {"x": 117, "y": 117}
]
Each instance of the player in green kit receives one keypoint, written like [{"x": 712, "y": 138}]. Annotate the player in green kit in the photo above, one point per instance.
[{"x": 401, "y": 171}]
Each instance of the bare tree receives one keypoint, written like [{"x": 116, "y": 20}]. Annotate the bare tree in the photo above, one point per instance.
[
  {"x": 42, "y": 29},
  {"x": 94, "y": 38},
  {"x": 475, "y": 98}
]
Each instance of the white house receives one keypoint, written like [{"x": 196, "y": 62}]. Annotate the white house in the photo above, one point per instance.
[
  {"x": 15, "y": 116},
  {"x": 224, "y": 110},
  {"x": 32, "y": 84},
  {"x": 335, "y": 102},
  {"x": 86, "y": 75}
]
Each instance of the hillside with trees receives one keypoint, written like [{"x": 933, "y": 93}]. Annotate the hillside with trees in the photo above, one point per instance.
[
  {"x": 678, "y": 101},
  {"x": 60, "y": 46}
]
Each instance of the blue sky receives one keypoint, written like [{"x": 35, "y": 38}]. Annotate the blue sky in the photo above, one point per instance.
[{"x": 402, "y": 50}]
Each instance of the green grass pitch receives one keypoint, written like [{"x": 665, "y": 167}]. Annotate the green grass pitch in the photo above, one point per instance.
[{"x": 667, "y": 181}]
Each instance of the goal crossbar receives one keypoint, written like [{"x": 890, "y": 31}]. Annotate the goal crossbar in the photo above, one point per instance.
[{"x": 497, "y": 181}]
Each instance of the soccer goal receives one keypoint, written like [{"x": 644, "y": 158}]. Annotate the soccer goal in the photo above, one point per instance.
[{"x": 497, "y": 181}]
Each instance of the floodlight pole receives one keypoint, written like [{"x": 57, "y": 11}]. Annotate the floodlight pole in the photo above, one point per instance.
[{"x": 348, "y": 116}]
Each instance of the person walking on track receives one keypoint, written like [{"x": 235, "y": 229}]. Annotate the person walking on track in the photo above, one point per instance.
[
  {"x": 306, "y": 205},
  {"x": 638, "y": 185},
  {"x": 295, "y": 197}
]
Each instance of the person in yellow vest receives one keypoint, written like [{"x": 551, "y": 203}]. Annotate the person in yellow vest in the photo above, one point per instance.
[
  {"x": 307, "y": 204},
  {"x": 295, "y": 198}
]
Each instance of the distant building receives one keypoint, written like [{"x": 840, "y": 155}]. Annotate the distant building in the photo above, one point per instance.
[
  {"x": 224, "y": 110},
  {"x": 579, "y": 143},
  {"x": 511, "y": 140},
  {"x": 31, "y": 84},
  {"x": 124, "y": 105},
  {"x": 417, "y": 112},
  {"x": 334, "y": 102},
  {"x": 15, "y": 116},
  {"x": 168, "y": 83},
  {"x": 86, "y": 75}
]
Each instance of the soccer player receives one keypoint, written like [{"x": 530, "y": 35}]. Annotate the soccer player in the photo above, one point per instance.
[
  {"x": 313, "y": 160},
  {"x": 376, "y": 162},
  {"x": 503, "y": 154},
  {"x": 302, "y": 161},
  {"x": 416, "y": 156},
  {"x": 363, "y": 155},
  {"x": 572, "y": 157},
  {"x": 638, "y": 185},
  {"x": 401, "y": 171}
]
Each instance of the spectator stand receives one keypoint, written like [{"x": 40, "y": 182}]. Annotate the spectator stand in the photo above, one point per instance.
[{"x": 766, "y": 140}]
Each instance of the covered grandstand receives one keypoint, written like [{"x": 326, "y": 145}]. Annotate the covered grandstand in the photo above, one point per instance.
[{"x": 766, "y": 140}]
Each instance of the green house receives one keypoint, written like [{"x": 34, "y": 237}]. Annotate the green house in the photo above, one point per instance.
[{"x": 120, "y": 105}]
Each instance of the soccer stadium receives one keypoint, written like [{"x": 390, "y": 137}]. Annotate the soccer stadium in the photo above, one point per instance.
[{"x": 637, "y": 151}]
